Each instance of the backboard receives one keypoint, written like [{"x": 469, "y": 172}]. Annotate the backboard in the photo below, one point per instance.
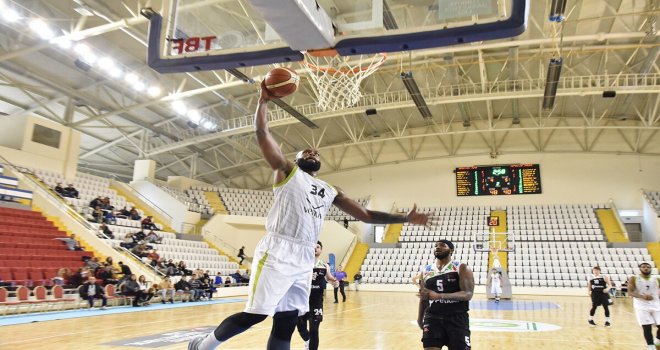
[{"x": 193, "y": 35}]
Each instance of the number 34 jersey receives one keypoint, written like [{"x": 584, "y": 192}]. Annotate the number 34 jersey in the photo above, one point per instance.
[
  {"x": 443, "y": 280},
  {"x": 300, "y": 204}
]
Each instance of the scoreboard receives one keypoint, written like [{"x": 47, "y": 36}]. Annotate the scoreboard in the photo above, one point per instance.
[{"x": 498, "y": 180}]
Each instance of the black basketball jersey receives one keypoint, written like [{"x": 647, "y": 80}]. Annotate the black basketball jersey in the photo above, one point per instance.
[
  {"x": 444, "y": 281},
  {"x": 318, "y": 277},
  {"x": 598, "y": 284}
]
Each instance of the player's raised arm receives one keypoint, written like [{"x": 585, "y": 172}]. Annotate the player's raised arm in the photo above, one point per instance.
[
  {"x": 269, "y": 147},
  {"x": 351, "y": 207}
]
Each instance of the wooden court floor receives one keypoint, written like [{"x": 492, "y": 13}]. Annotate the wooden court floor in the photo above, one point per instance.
[{"x": 368, "y": 320}]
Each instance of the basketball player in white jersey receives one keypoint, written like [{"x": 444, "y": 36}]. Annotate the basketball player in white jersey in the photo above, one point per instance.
[
  {"x": 644, "y": 290},
  {"x": 284, "y": 258},
  {"x": 496, "y": 284}
]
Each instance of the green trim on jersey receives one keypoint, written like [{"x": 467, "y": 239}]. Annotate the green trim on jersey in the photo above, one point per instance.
[
  {"x": 283, "y": 182},
  {"x": 256, "y": 277}
]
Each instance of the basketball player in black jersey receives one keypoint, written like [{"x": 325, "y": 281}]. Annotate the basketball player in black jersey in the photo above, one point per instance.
[
  {"x": 599, "y": 289},
  {"x": 321, "y": 274},
  {"x": 446, "y": 288}
]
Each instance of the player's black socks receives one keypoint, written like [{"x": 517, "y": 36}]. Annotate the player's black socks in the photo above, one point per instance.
[
  {"x": 284, "y": 323},
  {"x": 648, "y": 333},
  {"x": 236, "y": 324},
  {"x": 314, "y": 335},
  {"x": 607, "y": 310}
]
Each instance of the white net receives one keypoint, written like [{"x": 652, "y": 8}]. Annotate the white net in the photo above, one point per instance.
[{"x": 336, "y": 79}]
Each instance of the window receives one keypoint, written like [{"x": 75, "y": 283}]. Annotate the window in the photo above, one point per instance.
[{"x": 46, "y": 136}]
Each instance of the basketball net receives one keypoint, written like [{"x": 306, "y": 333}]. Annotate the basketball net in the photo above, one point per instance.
[{"x": 336, "y": 79}]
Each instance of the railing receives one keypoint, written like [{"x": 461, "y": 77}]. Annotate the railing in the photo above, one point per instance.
[
  {"x": 618, "y": 219},
  {"x": 23, "y": 174},
  {"x": 151, "y": 204},
  {"x": 227, "y": 248}
]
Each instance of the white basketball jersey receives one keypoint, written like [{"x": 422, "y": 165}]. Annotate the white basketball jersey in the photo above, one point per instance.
[
  {"x": 495, "y": 278},
  {"x": 647, "y": 286},
  {"x": 300, "y": 204}
]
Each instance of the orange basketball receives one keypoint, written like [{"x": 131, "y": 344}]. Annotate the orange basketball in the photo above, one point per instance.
[{"x": 281, "y": 82}]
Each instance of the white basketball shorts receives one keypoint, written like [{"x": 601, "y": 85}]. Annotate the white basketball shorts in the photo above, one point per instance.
[
  {"x": 281, "y": 276},
  {"x": 645, "y": 317},
  {"x": 496, "y": 289}
]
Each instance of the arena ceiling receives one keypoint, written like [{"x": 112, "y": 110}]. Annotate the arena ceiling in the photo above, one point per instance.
[{"x": 485, "y": 98}]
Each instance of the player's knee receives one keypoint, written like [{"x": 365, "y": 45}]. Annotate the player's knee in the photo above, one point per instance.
[
  {"x": 284, "y": 323},
  {"x": 246, "y": 319}
]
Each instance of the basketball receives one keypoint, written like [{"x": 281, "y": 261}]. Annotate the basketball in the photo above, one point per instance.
[{"x": 282, "y": 82}]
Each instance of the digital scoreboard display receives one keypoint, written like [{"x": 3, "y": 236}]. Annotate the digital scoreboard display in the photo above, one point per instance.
[{"x": 498, "y": 180}]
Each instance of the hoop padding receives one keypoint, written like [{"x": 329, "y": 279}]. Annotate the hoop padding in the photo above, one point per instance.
[{"x": 336, "y": 79}]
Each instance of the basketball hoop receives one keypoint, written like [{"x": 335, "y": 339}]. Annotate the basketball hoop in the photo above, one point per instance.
[{"x": 336, "y": 79}]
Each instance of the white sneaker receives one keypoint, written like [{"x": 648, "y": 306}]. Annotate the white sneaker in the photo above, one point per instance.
[
  {"x": 307, "y": 345},
  {"x": 193, "y": 344},
  {"x": 103, "y": 308}
]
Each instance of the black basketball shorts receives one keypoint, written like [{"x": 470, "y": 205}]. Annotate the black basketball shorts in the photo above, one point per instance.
[{"x": 451, "y": 331}]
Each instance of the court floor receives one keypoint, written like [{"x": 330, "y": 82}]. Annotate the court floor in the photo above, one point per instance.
[{"x": 367, "y": 320}]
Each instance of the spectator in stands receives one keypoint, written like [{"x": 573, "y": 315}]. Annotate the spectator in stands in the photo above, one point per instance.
[
  {"x": 134, "y": 214},
  {"x": 357, "y": 278},
  {"x": 145, "y": 289},
  {"x": 172, "y": 269},
  {"x": 227, "y": 282},
  {"x": 125, "y": 271},
  {"x": 147, "y": 223},
  {"x": 104, "y": 232},
  {"x": 59, "y": 189},
  {"x": 183, "y": 287},
  {"x": 98, "y": 214},
  {"x": 107, "y": 275},
  {"x": 105, "y": 204},
  {"x": 78, "y": 278},
  {"x": 96, "y": 202},
  {"x": 183, "y": 269},
  {"x": 90, "y": 290},
  {"x": 139, "y": 236},
  {"x": 109, "y": 217},
  {"x": 208, "y": 288},
  {"x": 70, "y": 192},
  {"x": 340, "y": 275},
  {"x": 245, "y": 277},
  {"x": 166, "y": 287},
  {"x": 130, "y": 287},
  {"x": 153, "y": 237},
  {"x": 61, "y": 277},
  {"x": 241, "y": 254},
  {"x": 93, "y": 264},
  {"x": 217, "y": 281},
  {"x": 71, "y": 242},
  {"x": 238, "y": 279},
  {"x": 140, "y": 250},
  {"x": 345, "y": 223},
  {"x": 124, "y": 213},
  {"x": 196, "y": 287},
  {"x": 129, "y": 241},
  {"x": 153, "y": 257},
  {"x": 624, "y": 289}
]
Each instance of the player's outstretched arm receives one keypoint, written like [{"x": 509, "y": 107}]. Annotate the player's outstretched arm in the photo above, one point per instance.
[
  {"x": 423, "y": 304},
  {"x": 269, "y": 147},
  {"x": 351, "y": 207}
]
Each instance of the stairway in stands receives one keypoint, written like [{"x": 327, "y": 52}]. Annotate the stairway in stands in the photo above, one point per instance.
[{"x": 29, "y": 249}]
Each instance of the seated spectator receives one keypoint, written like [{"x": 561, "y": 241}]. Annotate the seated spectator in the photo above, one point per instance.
[
  {"x": 104, "y": 232},
  {"x": 148, "y": 224},
  {"x": 227, "y": 282},
  {"x": 93, "y": 264},
  {"x": 78, "y": 278},
  {"x": 124, "y": 213},
  {"x": 62, "y": 277},
  {"x": 134, "y": 214},
  {"x": 183, "y": 287},
  {"x": 98, "y": 214},
  {"x": 160, "y": 266},
  {"x": 183, "y": 269},
  {"x": 245, "y": 277},
  {"x": 208, "y": 288},
  {"x": 107, "y": 275},
  {"x": 90, "y": 291},
  {"x": 172, "y": 269},
  {"x": 129, "y": 241},
  {"x": 71, "y": 242},
  {"x": 70, "y": 192},
  {"x": 130, "y": 287},
  {"x": 238, "y": 278},
  {"x": 153, "y": 237},
  {"x": 139, "y": 236},
  {"x": 145, "y": 289},
  {"x": 217, "y": 281},
  {"x": 196, "y": 288},
  {"x": 166, "y": 288},
  {"x": 153, "y": 257},
  {"x": 96, "y": 202},
  {"x": 105, "y": 204},
  {"x": 125, "y": 271},
  {"x": 140, "y": 250},
  {"x": 59, "y": 189},
  {"x": 109, "y": 217}
]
